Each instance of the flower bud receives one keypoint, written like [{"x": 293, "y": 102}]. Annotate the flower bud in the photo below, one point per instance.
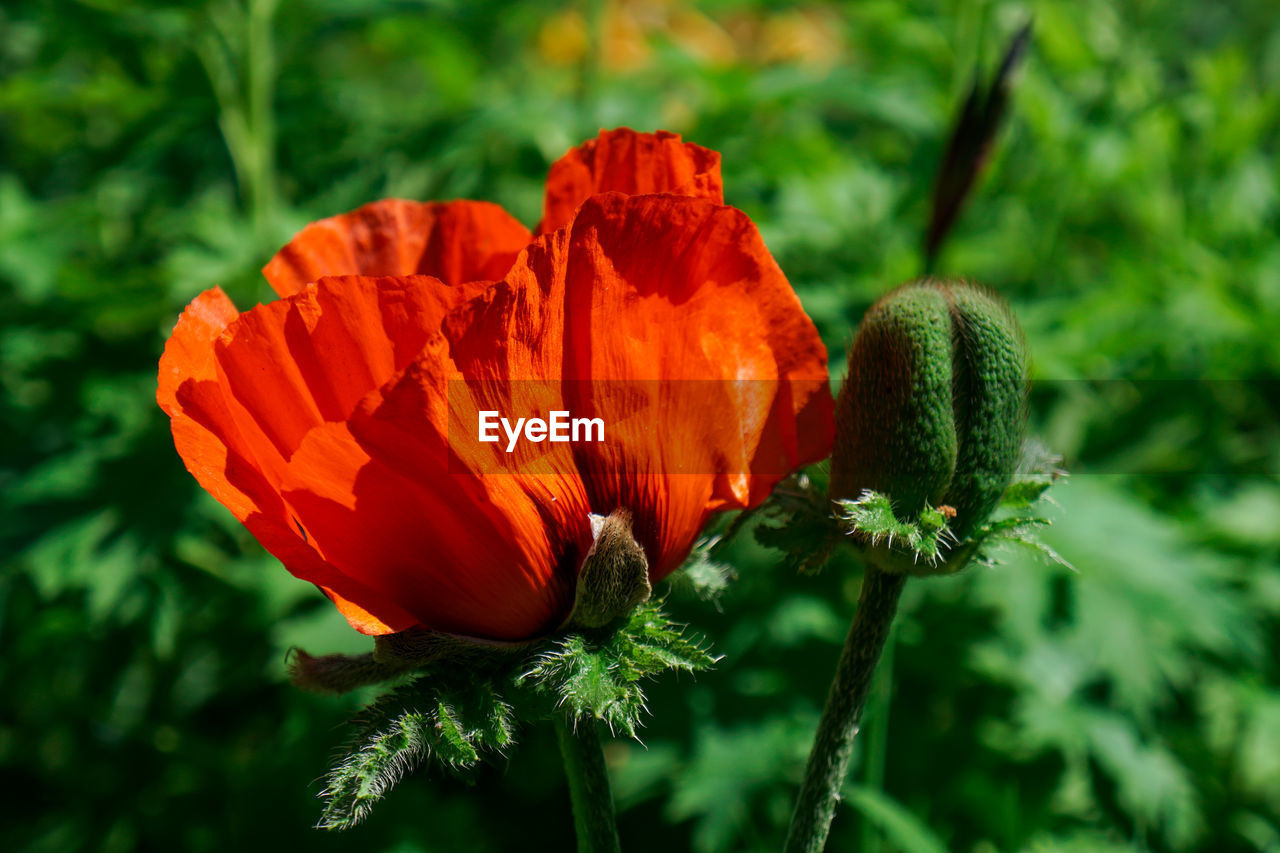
[
  {"x": 933, "y": 409},
  {"x": 615, "y": 574}
]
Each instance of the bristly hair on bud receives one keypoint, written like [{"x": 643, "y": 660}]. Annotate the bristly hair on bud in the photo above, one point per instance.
[
  {"x": 925, "y": 545},
  {"x": 614, "y": 576},
  {"x": 933, "y": 410},
  {"x": 926, "y": 539}
]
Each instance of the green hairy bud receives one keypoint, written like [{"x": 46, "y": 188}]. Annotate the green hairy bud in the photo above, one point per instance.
[{"x": 933, "y": 410}]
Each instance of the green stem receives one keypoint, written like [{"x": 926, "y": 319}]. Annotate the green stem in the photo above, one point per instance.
[
  {"x": 235, "y": 45},
  {"x": 593, "y": 816},
  {"x": 261, "y": 73},
  {"x": 878, "y": 739},
  {"x": 833, "y": 746}
]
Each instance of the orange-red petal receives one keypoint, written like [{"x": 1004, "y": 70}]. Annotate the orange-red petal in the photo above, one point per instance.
[
  {"x": 456, "y": 242},
  {"x": 217, "y": 454},
  {"x": 483, "y": 556},
  {"x": 272, "y": 397},
  {"x": 339, "y": 423},
  {"x": 625, "y": 161},
  {"x": 666, "y": 317},
  {"x": 293, "y": 364}
]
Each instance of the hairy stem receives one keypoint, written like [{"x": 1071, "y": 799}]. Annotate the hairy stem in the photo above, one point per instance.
[
  {"x": 877, "y": 740},
  {"x": 833, "y": 745},
  {"x": 593, "y": 816}
]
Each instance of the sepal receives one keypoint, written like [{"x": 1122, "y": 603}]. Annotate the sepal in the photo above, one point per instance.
[
  {"x": 336, "y": 674},
  {"x": 914, "y": 546},
  {"x": 594, "y": 676},
  {"x": 806, "y": 526},
  {"x": 463, "y": 710},
  {"x": 450, "y": 716}
]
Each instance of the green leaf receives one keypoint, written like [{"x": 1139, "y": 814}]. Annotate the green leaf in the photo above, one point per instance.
[
  {"x": 729, "y": 780},
  {"x": 805, "y": 531},
  {"x": 1038, "y": 469},
  {"x": 905, "y": 831},
  {"x": 1023, "y": 493},
  {"x": 455, "y": 746},
  {"x": 459, "y": 715},
  {"x": 701, "y": 576},
  {"x": 1019, "y": 532},
  {"x": 805, "y": 541},
  {"x": 1033, "y": 544}
]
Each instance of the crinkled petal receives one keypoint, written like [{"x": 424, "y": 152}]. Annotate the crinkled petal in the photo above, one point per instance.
[
  {"x": 296, "y": 363},
  {"x": 218, "y": 455},
  {"x": 456, "y": 242},
  {"x": 340, "y": 424},
  {"x": 395, "y": 499},
  {"x": 666, "y": 318},
  {"x": 625, "y": 161}
]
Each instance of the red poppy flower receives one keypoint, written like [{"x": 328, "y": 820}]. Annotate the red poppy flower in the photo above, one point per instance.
[{"x": 338, "y": 423}]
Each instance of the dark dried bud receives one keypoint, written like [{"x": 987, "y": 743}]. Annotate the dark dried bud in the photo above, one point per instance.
[{"x": 615, "y": 574}]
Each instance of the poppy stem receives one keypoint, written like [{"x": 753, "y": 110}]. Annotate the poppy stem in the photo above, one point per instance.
[
  {"x": 833, "y": 745},
  {"x": 593, "y": 816}
]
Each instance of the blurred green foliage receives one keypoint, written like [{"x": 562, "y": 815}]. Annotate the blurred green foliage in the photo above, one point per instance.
[{"x": 151, "y": 150}]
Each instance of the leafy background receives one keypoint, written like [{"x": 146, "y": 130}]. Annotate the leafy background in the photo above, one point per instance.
[{"x": 152, "y": 150}]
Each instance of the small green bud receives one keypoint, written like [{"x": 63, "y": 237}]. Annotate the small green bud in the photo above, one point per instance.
[{"x": 933, "y": 409}]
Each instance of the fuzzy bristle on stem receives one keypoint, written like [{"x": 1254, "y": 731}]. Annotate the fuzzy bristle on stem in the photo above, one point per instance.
[{"x": 833, "y": 746}]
